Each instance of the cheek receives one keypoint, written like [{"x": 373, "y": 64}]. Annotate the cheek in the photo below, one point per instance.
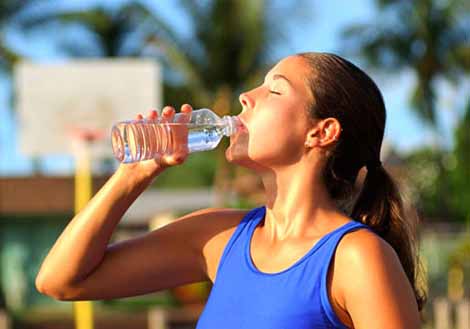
[
  {"x": 277, "y": 136},
  {"x": 274, "y": 137}
]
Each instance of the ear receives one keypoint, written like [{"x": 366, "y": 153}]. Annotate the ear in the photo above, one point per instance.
[{"x": 326, "y": 132}]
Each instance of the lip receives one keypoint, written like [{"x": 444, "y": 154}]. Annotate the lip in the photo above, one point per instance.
[{"x": 243, "y": 124}]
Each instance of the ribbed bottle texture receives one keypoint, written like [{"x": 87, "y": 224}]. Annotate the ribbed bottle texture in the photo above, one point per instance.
[{"x": 138, "y": 140}]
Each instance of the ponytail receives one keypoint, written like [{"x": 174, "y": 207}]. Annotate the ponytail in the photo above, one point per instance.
[
  {"x": 343, "y": 91},
  {"x": 380, "y": 206}
]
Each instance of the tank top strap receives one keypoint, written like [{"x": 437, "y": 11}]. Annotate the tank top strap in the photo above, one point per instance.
[
  {"x": 243, "y": 297},
  {"x": 327, "y": 256},
  {"x": 241, "y": 227}
]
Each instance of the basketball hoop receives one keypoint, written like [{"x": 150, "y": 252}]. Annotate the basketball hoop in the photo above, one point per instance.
[
  {"x": 85, "y": 140},
  {"x": 86, "y": 134}
]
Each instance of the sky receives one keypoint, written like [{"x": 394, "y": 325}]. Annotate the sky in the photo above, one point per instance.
[{"x": 404, "y": 132}]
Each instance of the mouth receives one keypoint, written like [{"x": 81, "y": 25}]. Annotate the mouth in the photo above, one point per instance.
[{"x": 242, "y": 125}]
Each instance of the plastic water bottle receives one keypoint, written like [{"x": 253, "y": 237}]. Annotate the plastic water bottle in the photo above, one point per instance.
[{"x": 138, "y": 140}]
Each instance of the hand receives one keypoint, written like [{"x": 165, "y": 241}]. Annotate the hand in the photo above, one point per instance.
[{"x": 149, "y": 169}]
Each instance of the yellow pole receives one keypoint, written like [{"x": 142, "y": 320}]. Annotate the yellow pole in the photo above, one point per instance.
[{"x": 83, "y": 310}]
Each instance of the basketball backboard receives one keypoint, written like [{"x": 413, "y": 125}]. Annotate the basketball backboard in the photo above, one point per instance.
[{"x": 55, "y": 100}]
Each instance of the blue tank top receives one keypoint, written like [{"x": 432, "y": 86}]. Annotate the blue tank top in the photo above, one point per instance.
[{"x": 243, "y": 297}]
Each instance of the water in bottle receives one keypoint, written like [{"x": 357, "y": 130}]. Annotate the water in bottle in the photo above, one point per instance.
[{"x": 137, "y": 140}]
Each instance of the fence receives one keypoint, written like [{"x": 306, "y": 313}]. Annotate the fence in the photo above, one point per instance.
[
  {"x": 450, "y": 315},
  {"x": 446, "y": 315}
]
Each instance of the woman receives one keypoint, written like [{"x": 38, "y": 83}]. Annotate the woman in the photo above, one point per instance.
[{"x": 315, "y": 256}]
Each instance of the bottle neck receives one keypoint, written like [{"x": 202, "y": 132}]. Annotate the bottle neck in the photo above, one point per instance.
[{"x": 232, "y": 124}]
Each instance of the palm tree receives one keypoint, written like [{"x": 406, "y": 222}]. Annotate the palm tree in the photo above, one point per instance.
[
  {"x": 9, "y": 11},
  {"x": 460, "y": 172},
  {"x": 112, "y": 32},
  {"x": 429, "y": 37},
  {"x": 11, "y": 14},
  {"x": 227, "y": 52}
]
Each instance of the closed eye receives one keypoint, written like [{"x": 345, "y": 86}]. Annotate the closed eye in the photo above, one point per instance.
[{"x": 274, "y": 92}]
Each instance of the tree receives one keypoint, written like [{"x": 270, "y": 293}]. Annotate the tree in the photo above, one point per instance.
[
  {"x": 9, "y": 11},
  {"x": 428, "y": 182},
  {"x": 460, "y": 170},
  {"x": 429, "y": 37},
  {"x": 109, "y": 32},
  {"x": 228, "y": 51},
  {"x": 11, "y": 14}
]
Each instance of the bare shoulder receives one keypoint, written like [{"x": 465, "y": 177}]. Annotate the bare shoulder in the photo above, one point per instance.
[
  {"x": 363, "y": 242},
  {"x": 363, "y": 251},
  {"x": 379, "y": 282},
  {"x": 210, "y": 229}
]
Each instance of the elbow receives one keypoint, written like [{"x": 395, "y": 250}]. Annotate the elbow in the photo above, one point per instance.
[
  {"x": 40, "y": 284},
  {"x": 57, "y": 292}
]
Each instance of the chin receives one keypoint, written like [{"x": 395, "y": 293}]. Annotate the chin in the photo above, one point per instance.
[
  {"x": 239, "y": 156},
  {"x": 233, "y": 154}
]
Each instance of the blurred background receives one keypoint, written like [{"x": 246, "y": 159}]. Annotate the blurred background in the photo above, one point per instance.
[{"x": 205, "y": 53}]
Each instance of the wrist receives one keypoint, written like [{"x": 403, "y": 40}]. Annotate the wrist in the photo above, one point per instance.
[{"x": 133, "y": 175}]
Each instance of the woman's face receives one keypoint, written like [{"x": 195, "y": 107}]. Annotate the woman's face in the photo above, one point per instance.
[{"x": 275, "y": 118}]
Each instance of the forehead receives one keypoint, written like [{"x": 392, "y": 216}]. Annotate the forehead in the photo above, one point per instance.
[{"x": 295, "y": 68}]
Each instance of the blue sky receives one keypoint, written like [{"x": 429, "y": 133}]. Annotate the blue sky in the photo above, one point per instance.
[{"x": 403, "y": 131}]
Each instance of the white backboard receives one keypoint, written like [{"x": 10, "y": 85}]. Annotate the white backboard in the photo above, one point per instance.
[{"x": 52, "y": 99}]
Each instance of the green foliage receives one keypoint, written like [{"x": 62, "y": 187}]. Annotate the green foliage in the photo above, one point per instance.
[
  {"x": 460, "y": 171},
  {"x": 440, "y": 179},
  {"x": 10, "y": 10},
  {"x": 460, "y": 255},
  {"x": 197, "y": 171},
  {"x": 228, "y": 48},
  {"x": 429, "y": 182},
  {"x": 114, "y": 32},
  {"x": 24, "y": 242},
  {"x": 430, "y": 37},
  {"x": 141, "y": 303}
]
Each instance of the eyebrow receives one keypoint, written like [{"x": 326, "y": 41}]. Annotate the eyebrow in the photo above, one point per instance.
[{"x": 280, "y": 76}]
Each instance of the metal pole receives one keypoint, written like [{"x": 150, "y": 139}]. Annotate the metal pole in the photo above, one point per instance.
[{"x": 83, "y": 310}]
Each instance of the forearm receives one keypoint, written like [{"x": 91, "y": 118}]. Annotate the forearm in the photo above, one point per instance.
[{"x": 81, "y": 246}]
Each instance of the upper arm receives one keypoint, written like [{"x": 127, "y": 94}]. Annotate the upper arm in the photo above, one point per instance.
[
  {"x": 164, "y": 258},
  {"x": 375, "y": 289}
]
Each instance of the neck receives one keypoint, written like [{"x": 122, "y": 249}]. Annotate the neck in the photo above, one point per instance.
[{"x": 298, "y": 204}]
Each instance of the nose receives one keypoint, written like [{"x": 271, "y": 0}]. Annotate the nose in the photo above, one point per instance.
[{"x": 246, "y": 100}]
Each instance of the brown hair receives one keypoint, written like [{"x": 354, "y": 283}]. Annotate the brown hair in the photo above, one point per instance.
[{"x": 343, "y": 91}]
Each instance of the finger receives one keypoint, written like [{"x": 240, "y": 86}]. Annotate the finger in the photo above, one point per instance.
[
  {"x": 139, "y": 116},
  {"x": 153, "y": 115},
  {"x": 186, "y": 108},
  {"x": 185, "y": 116},
  {"x": 168, "y": 113}
]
